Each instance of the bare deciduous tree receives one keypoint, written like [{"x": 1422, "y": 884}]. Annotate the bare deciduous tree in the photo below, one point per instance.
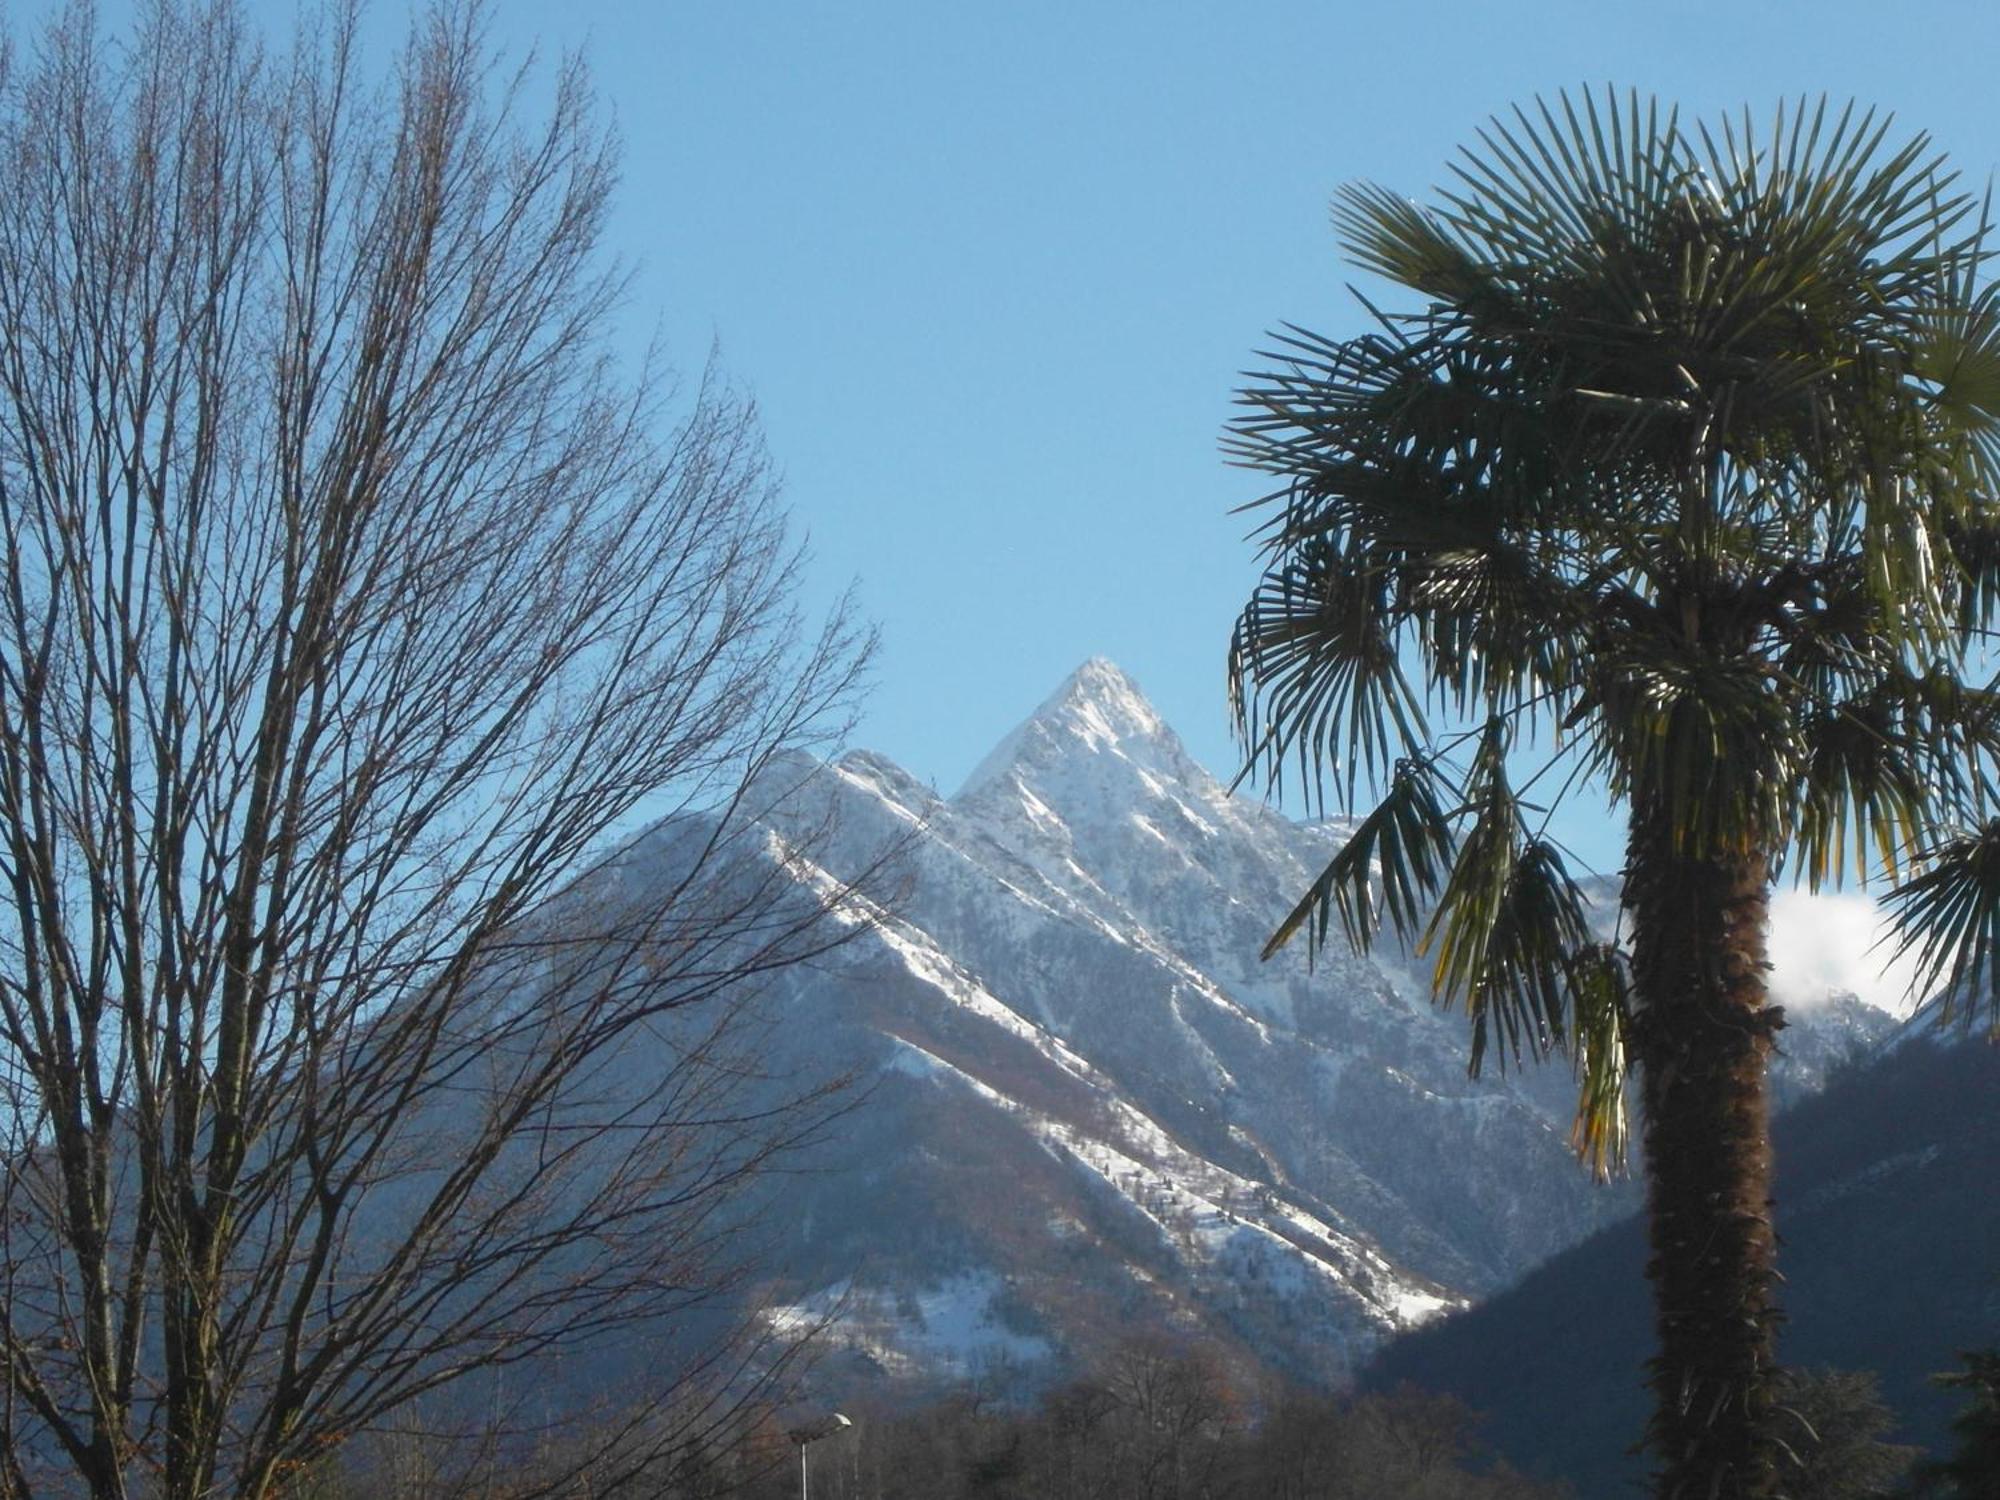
[{"x": 353, "y": 593}]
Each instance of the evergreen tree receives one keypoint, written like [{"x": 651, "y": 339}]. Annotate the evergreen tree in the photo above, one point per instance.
[{"x": 1973, "y": 1472}]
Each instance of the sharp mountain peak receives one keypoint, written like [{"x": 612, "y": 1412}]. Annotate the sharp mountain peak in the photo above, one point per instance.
[{"x": 1097, "y": 708}]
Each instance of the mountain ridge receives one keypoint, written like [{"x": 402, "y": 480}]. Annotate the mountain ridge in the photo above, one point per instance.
[{"x": 1069, "y": 998}]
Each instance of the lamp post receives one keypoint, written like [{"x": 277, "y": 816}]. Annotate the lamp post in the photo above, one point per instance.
[{"x": 811, "y": 1432}]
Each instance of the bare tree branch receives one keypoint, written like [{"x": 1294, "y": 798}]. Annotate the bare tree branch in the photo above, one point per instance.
[{"x": 352, "y": 594}]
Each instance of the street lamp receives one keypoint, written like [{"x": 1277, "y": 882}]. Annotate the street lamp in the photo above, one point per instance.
[{"x": 810, "y": 1433}]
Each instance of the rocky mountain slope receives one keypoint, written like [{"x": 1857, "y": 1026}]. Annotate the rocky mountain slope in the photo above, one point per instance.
[{"x": 1089, "y": 1108}]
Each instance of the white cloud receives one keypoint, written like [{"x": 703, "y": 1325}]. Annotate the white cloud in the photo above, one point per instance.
[{"x": 1824, "y": 945}]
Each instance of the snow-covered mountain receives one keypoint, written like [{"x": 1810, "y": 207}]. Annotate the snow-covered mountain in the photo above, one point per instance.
[{"x": 1090, "y": 1108}]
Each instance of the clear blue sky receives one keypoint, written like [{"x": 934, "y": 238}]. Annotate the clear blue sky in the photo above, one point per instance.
[{"x": 991, "y": 269}]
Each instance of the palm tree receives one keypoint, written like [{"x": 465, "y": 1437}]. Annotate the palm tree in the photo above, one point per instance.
[{"x": 1674, "y": 489}]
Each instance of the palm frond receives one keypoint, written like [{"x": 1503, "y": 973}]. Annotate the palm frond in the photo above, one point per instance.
[
  {"x": 1396, "y": 239},
  {"x": 1947, "y": 919},
  {"x": 1400, "y": 848},
  {"x": 1956, "y": 361},
  {"x": 1508, "y": 922},
  {"x": 1600, "y": 1007},
  {"x": 1862, "y": 792},
  {"x": 1974, "y": 546},
  {"x": 1314, "y": 673},
  {"x": 1567, "y": 191}
]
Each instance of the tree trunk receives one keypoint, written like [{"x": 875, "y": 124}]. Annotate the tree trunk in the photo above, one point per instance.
[{"x": 1702, "y": 1035}]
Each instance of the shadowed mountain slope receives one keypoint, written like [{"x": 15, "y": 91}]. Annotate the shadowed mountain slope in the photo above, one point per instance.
[{"x": 1889, "y": 1220}]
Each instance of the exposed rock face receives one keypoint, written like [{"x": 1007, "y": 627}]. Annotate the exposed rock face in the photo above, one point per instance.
[
  {"x": 1094, "y": 1104},
  {"x": 1092, "y": 1108}
]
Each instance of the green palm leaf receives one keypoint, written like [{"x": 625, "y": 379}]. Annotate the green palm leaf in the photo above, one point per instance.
[
  {"x": 1400, "y": 849},
  {"x": 1947, "y": 920},
  {"x": 1508, "y": 922},
  {"x": 1600, "y": 987}
]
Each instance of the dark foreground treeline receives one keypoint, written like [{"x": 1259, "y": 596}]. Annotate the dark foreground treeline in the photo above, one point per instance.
[
  {"x": 1156, "y": 1423},
  {"x": 1164, "y": 1433},
  {"x": 1153, "y": 1420}
]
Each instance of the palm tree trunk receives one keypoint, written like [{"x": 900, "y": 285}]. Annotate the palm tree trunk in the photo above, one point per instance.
[{"x": 1702, "y": 1035}]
